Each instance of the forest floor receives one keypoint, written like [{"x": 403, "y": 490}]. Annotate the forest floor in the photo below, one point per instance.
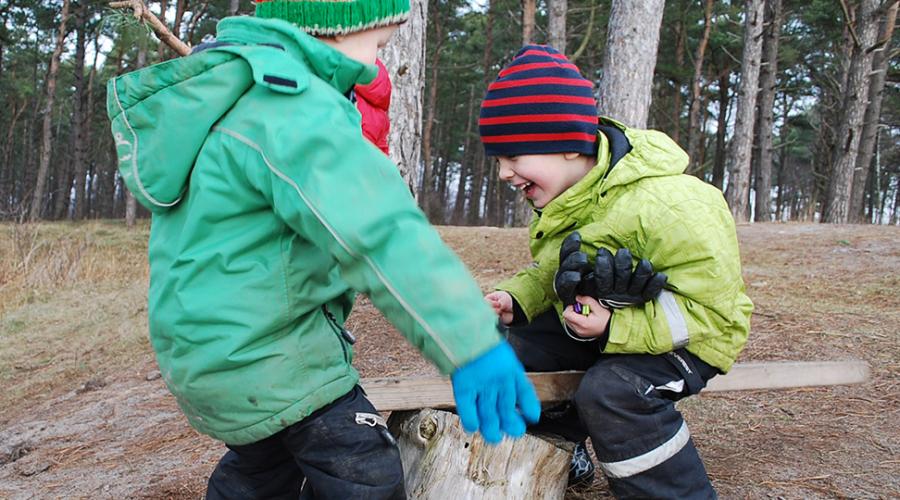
[{"x": 84, "y": 414}]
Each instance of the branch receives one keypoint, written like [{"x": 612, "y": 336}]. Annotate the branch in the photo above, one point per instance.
[
  {"x": 141, "y": 12},
  {"x": 850, "y": 23},
  {"x": 587, "y": 36}
]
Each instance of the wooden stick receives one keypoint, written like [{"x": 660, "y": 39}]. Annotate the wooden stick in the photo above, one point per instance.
[
  {"x": 141, "y": 12},
  {"x": 413, "y": 393}
]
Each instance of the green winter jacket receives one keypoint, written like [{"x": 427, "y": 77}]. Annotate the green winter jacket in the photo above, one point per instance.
[
  {"x": 269, "y": 210},
  {"x": 681, "y": 224}
]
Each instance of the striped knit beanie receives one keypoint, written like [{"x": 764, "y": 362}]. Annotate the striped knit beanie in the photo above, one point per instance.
[
  {"x": 539, "y": 104},
  {"x": 335, "y": 17}
]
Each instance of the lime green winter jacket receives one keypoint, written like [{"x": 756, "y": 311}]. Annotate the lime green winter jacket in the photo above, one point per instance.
[
  {"x": 681, "y": 224},
  {"x": 269, "y": 210}
]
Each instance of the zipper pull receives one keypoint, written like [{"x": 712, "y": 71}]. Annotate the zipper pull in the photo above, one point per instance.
[
  {"x": 376, "y": 421},
  {"x": 348, "y": 336}
]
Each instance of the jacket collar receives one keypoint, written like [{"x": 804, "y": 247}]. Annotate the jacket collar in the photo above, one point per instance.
[{"x": 327, "y": 63}]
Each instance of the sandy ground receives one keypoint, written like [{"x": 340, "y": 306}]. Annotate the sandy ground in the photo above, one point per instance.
[{"x": 821, "y": 292}]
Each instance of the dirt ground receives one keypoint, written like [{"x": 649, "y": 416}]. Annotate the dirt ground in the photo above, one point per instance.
[{"x": 821, "y": 292}]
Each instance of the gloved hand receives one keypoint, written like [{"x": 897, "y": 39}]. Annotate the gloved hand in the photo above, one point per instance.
[
  {"x": 617, "y": 286},
  {"x": 488, "y": 391},
  {"x": 573, "y": 266}
]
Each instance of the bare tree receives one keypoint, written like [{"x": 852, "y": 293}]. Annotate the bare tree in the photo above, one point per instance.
[
  {"x": 738, "y": 191},
  {"x": 556, "y": 24},
  {"x": 404, "y": 58},
  {"x": 873, "y": 113},
  {"x": 855, "y": 100},
  {"x": 766, "y": 121},
  {"x": 37, "y": 202},
  {"x": 629, "y": 60}
]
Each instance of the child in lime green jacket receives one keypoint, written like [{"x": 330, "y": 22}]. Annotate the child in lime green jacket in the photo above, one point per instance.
[{"x": 620, "y": 191}]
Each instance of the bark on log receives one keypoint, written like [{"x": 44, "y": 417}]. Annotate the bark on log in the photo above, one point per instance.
[{"x": 441, "y": 461}]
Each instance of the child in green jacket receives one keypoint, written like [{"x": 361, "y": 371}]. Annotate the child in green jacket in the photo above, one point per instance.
[
  {"x": 270, "y": 211},
  {"x": 599, "y": 188}
]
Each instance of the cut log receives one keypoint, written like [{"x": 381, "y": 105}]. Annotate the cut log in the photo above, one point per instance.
[
  {"x": 413, "y": 393},
  {"x": 441, "y": 461}
]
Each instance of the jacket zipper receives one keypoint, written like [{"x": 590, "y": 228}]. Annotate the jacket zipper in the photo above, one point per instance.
[{"x": 342, "y": 333}]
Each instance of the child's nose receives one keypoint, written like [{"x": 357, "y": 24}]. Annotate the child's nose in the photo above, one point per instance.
[{"x": 506, "y": 173}]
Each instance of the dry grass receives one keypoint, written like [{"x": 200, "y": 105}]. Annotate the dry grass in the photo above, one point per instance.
[
  {"x": 73, "y": 318},
  {"x": 72, "y": 306}
]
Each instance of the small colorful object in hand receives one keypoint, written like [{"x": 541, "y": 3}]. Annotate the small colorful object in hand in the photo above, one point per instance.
[{"x": 582, "y": 309}]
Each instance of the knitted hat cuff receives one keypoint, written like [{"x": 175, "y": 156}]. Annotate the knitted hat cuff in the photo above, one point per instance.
[{"x": 335, "y": 17}]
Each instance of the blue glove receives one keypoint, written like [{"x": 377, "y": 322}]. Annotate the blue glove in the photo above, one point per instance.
[{"x": 488, "y": 391}]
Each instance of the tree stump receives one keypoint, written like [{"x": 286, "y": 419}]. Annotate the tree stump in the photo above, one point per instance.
[{"x": 441, "y": 461}]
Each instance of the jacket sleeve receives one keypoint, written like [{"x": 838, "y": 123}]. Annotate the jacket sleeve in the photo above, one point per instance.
[
  {"x": 532, "y": 287},
  {"x": 696, "y": 246},
  {"x": 335, "y": 189}
]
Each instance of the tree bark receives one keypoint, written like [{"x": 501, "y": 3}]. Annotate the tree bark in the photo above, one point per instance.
[
  {"x": 680, "y": 47},
  {"x": 768, "y": 77},
  {"x": 855, "y": 100},
  {"x": 556, "y": 24},
  {"x": 404, "y": 58},
  {"x": 629, "y": 60},
  {"x": 738, "y": 190},
  {"x": 37, "y": 201},
  {"x": 694, "y": 113},
  {"x": 873, "y": 114},
  {"x": 234, "y": 7},
  {"x": 459, "y": 207},
  {"x": 529, "y": 7}
]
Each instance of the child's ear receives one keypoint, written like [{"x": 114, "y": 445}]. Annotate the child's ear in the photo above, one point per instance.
[{"x": 571, "y": 156}]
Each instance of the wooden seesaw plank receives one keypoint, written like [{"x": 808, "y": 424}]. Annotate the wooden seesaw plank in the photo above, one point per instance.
[{"x": 413, "y": 393}]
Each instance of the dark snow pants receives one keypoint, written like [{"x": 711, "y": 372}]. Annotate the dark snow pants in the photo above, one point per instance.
[
  {"x": 626, "y": 404},
  {"x": 325, "y": 455}
]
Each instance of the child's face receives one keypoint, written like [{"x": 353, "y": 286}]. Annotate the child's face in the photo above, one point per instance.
[
  {"x": 544, "y": 177},
  {"x": 362, "y": 45}
]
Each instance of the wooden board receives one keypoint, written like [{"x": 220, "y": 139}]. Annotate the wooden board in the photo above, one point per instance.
[{"x": 413, "y": 393}]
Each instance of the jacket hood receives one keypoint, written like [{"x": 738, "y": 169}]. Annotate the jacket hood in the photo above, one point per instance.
[{"x": 161, "y": 115}]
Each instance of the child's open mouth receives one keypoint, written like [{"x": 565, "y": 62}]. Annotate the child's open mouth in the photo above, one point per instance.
[{"x": 528, "y": 189}]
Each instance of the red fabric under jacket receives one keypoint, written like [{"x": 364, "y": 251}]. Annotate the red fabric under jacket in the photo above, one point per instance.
[{"x": 373, "y": 101}]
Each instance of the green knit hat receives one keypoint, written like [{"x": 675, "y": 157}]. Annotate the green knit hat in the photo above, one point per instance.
[{"x": 335, "y": 17}]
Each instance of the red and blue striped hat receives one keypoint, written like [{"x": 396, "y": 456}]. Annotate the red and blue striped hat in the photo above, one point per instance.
[{"x": 539, "y": 104}]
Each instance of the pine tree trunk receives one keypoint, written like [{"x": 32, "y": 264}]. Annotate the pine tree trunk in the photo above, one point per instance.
[
  {"x": 234, "y": 7},
  {"x": 79, "y": 124},
  {"x": 459, "y": 207},
  {"x": 769, "y": 74},
  {"x": 873, "y": 114},
  {"x": 694, "y": 114},
  {"x": 718, "y": 174},
  {"x": 680, "y": 42},
  {"x": 738, "y": 191},
  {"x": 404, "y": 58},
  {"x": 130, "y": 201},
  {"x": 556, "y": 24},
  {"x": 855, "y": 100},
  {"x": 481, "y": 163},
  {"x": 629, "y": 60},
  {"x": 528, "y": 10},
  {"x": 37, "y": 201},
  {"x": 426, "y": 193}
]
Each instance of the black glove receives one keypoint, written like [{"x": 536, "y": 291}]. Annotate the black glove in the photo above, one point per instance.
[
  {"x": 573, "y": 266},
  {"x": 617, "y": 286}
]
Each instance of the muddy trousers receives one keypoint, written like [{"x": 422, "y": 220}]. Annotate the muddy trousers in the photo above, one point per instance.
[
  {"x": 626, "y": 404},
  {"x": 326, "y": 455}
]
